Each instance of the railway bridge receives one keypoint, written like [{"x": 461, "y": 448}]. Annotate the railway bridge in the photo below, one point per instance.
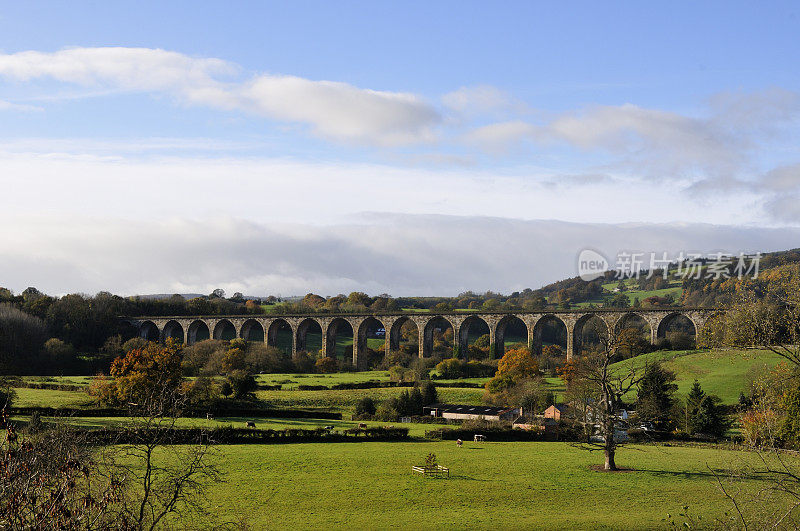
[{"x": 190, "y": 329}]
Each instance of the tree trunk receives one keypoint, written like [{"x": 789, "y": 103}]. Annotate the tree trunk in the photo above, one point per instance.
[{"x": 610, "y": 464}]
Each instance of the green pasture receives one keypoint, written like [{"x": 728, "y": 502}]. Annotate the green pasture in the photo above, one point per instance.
[
  {"x": 724, "y": 373},
  {"x": 344, "y": 400},
  {"x": 51, "y": 398},
  {"x": 492, "y": 485}
]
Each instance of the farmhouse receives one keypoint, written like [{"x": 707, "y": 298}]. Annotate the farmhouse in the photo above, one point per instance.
[
  {"x": 463, "y": 412},
  {"x": 556, "y": 412}
]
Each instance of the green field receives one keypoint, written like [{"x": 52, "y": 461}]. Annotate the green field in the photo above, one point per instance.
[
  {"x": 724, "y": 373},
  {"x": 492, "y": 485},
  {"x": 344, "y": 400},
  {"x": 291, "y": 381},
  {"x": 675, "y": 290}
]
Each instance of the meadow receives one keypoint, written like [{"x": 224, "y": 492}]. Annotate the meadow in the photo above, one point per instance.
[
  {"x": 724, "y": 373},
  {"x": 523, "y": 485},
  {"x": 492, "y": 485}
]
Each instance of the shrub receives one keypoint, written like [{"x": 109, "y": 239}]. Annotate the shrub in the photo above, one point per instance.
[
  {"x": 386, "y": 412},
  {"x": 242, "y": 383},
  {"x": 365, "y": 406},
  {"x": 303, "y": 363},
  {"x": 398, "y": 373},
  {"x": 326, "y": 365}
]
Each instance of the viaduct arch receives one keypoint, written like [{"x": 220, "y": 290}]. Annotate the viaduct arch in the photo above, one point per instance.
[{"x": 191, "y": 329}]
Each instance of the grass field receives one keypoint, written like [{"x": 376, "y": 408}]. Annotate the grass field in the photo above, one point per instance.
[
  {"x": 675, "y": 290},
  {"x": 291, "y": 381},
  {"x": 724, "y": 373},
  {"x": 492, "y": 485},
  {"x": 344, "y": 400}
]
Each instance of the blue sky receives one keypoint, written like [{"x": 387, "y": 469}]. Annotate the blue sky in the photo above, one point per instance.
[{"x": 306, "y": 125}]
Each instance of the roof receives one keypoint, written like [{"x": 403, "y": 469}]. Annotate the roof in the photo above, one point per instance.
[{"x": 469, "y": 410}]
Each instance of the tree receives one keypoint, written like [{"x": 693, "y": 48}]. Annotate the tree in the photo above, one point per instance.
[
  {"x": 693, "y": 400},
  {"x": 519, "y": 364},
  {"x": 60, "y": 478},
  {"x": 631, "y": 343},
  {"x": 21, "y": 336},
  {"x": 654, "y": 401},
  {"x": 429, "y": 394},
  {"x": 61, "y": 354},
  {"x": 142, "y": 375},
  {"x": 609, "y": 384},
  {"x": 226, "y": 389},
  {"x": 790, "y": 431},
  {"x": 7, "y": 396},
  {"x": 709, "y": 419}
]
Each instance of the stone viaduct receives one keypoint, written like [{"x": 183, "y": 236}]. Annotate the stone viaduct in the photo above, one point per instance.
[{"x": 190, "y": 329}]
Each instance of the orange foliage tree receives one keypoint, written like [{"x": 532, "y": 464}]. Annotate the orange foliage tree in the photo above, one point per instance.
[
  {"x": 141, "y": 374},
  {"x": 515, "y": 365},
  {"x": 518, "y": 363}
]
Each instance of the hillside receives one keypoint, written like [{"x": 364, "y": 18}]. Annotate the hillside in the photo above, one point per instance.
[{"x": 724, "y": 373}]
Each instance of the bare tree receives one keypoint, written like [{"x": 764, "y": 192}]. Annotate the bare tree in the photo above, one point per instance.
[
  {"x": 610, "y": 385},
  {"x": 140, "y": 477}
]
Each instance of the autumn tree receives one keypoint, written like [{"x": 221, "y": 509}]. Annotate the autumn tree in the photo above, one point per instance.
[
  {"x": 142, "y": 374},
  {"x": 515, "y": 366},
  {"x": 518, "y": 363}
]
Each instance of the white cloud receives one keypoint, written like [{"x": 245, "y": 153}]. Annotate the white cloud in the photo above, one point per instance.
[
  {"x": 501, "y": 137},
  {"x": 482, "y": 100},
  {"x": 337, "y": 111},
  {"x": 8, "y": 106},
  {"x": 342, "y": 112},
  {"x": 722, "y": 143}
]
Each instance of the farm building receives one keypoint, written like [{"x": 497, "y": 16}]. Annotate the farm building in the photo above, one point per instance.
[
  {"x": 555, "y": 412},
  {"x": 462, "y": 412}
]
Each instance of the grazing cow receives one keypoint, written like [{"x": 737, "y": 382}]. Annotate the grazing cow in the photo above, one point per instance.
[
  {"x": 459, "y": 443},
  {"x": 250, "y": 424},
  {"x": 362, "y": 426},
  {"x": 209, "y": 416}
]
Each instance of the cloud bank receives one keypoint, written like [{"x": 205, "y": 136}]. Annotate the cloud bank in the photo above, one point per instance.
[{"x": 396, "y": 254}]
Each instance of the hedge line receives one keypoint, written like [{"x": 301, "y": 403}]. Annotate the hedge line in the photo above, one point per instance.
[
  {"x": 231, "y": 435},
  {"x": 196, "y": 413},
  {"x": 492, "y": 434},
  {"x": 380, "y": 385},
  {"x": 49, "y": 386}
]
